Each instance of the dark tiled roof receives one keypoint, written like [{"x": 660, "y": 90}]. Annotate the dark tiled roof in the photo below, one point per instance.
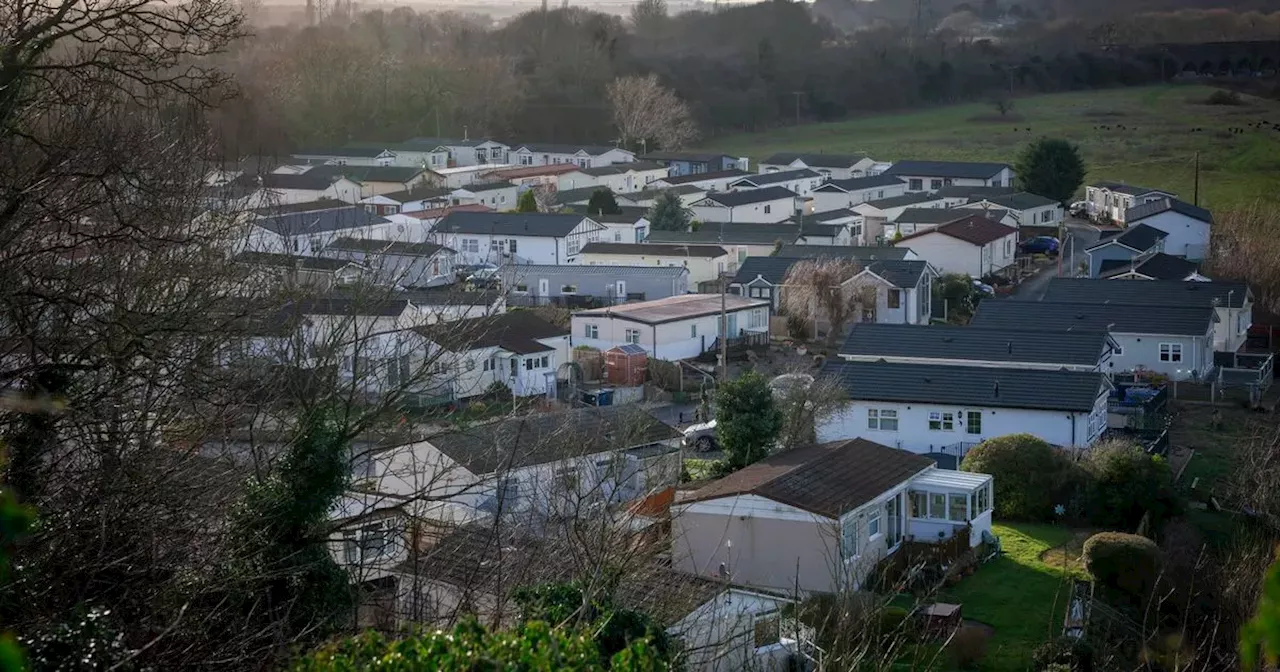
[
  {"x": 1159, "y": 266},
  {"x": 862, "y": 253},
  {"x": 1076, "y": 348},
  {"x": 516, "y": 331},
  {"x": 290, "y": 261},
  {"x": 666, "y": 594},
  {"x": 418, "y": 194},
  {"x": 749, "y": 196},
  {"x": 859, "y": 183},
  {"x": 1118, "y": 318},
  {"x": 553, "y": 148},
  {"x": 731, "y": 234},
  {"x": 621, "y": 168},
  {"x": 695, "y": 157},
  {"x": 284, "y": 209},
  {"x": 481, "y": 187},
  {"x": 522, "y": 273},
  {"x": 1150, "y": 293},
  {"x": 960, "y": 191},
  {"x": 319, "y": 221},
  {"x": 1016, "y": 201},
  {"x": 360, "y": 152},
  {"x": 425, "y": 144},
  {"x": 772, "y": 269},
  {"x": 308, "y": 181},
  {"x": 369, "y": 173},
  {"x": 822, "y": 217},
  {"x": 1129, "y": 189},
  {"x": 675, "y": 308},
  {"x": 701, "y": 251},
  {"x": 646, "y": 194},
  {"x": 900, "y": 273},
  {"x": 348, "y": 306},
  {"x": 956, "y": 169},
  {"x": 899, "y": 201},
  {"x": 828, "y": 479},
  {"x": 551, "y": 437},
  {"x": 1139, "y": 238},
  {"x": 930, "y": 216},
  {"x": 371, "y": 246},
  {"x": 1075, "y": 391},
  {"x": 814, "y": 160},
  {"x": 566, "y": 196},
  {"x": 765, "y": 179},
  {"x": 1145, "y": 210},
  {"x": 698, "y": 177},
  {"x": 510, "y": 223},
  {"x": 974, "y": 229}
]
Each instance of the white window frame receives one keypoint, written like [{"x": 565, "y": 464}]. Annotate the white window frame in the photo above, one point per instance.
[
  {"x": 632, "y": 336},
  {"x": 945, "y": 421},
  {"x": 849, "y": 540},
  {"x": 873, "y": 525},
  {"x": 969, "y": 424},
  {"x": 878, "y": 418},
  {"x": 591, "y": 331},
  {"x": 1171, "y": 352}
]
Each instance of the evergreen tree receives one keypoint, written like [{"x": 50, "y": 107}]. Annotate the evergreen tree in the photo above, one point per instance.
[
  {"x": 668, "y": 214},
  {"x": 1051, "y": 168},
  {"x": 747, "y": 419},
  {"x": 603, "y": 203},
  {"x": 528, "y": 202}
]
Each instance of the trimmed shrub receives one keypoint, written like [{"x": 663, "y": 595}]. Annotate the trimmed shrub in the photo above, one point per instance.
[
  {"x": 967, "y": 646},
  {"x": 1031, "y": 477},
  {"x": 1127, "y": 483},
  {"x": 1067, "y": 653},
  {"x": 1126, "y": 562}
]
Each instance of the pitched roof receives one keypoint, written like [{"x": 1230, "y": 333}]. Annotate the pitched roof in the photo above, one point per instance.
[
  {"x": 621, "y": 168},
  {"x": 639, "y": 249},
  {"x": 696, "y": 157},
  {"x": 291, "y": 261},
  {"x": 899, "y": 201},
  {"x": 901, "y": 273},
  {"x": 1075, "y": 391},
  {"x": 1129, "y": 189},
  {"x": 399, "y": 174},
  {"x": 307, "y": 181},
  {"x": 962, "y": 191},
  {"x": 765, "y": 179},
  {"x": 319, "y": 221},
  {"x": 436, "y": 213},
  {"x": 419, "y": 193},
  {"x": 859, "y": 183},
  {"x": 1159, "y": 266},
  {"x": 550, "y": 437},
  {"x": 1117, "y": 318},
  {"x": 523, "y": 272},
  {"x": 482, "y": 187},
  {"x": 581, "y": 194},
  {"x": 309, "y": 206},
  {"x": 1149, "y": 293},
  {"x": 773, "y": 269},
  {"x": 348, "y": 306},
  {"x": 674, "y": 308},
  {"x": 426, "y": 143},
  {"x": 930, "y": 215},
  {"x": 355, "y": 152},
  {"x": 655, "y": 192},
  {"x": 1138, "y": 238},
  {"x": 814, "y": 160},
  {"x": 974, "y": 229},
  {"x": 827, "y": 479},
  {"x": 862, "y": 253},
  {"x": 1021, "y": 200},
  {"x": 556, "y": 148},
  {"x": 542, "y": 224},
  {"x": 396, "y": 247},
  {"x": 534, "y": 171},
  {"x": 1075, "y": 348},
  {"x": 698, "y": 177},
  {"x": 748, "y": 196},
  {"x": 955, "y": 169},
  {"x": 1152, "y": 208},
  {"x": 516, "y": 331}
]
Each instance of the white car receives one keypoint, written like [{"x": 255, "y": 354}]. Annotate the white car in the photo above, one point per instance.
[{"x": 701, "y": 437}]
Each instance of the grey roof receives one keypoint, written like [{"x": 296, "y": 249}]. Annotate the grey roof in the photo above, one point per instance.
[
  {"x": 629, "y": 214},
  {"x": 1159, "y": 266},
  {"x": 654, "y": 193},
  {"x": 1129, "y": 189},
  {"x": 1076, "y": 348},
  {"x": 749, "y": 196},
  {"x": 1118, "y": 318},
  {"x": 984, "y": 386},
  {"x": 311, "y": 180},
  {"x": 515, "y": 331},
  {"x": 394, "y": 247},
  {"x": 1021, "y": 200},
  {"x": 698, "y": 177},
  {"x": 418, "y": 194},
  {"x": 481, "y": 187},
  {"x": 862, "y": 253},
  {"x": 581, "y": 194},
  {"x": 955, "y": 169},
  {"x": 700, "y": 251},
  {"x": 814, "y": 160},
  {"x": 730, "y": 234},
  {"x": 555, "y": 148},
  {"x": 859, "y": 183},
  {"x": 1149, "y": 293},
  {"x": 899, "y": 201},
  {"x": 1138, "y": 238},
  {"x": 900, "y": 273},
  {"x": 319, "y": 221},
  {"x": 621, "y": 168},
  {"x": 348, "y": 306},
  {"x": 425, "y": 143},
  {"x": 552, "y": 225},
  {"x": 771, "y": 269},
  {"x": 1145, "y": 210},
  {"x": 765, "y": 179},
  {"x": 368, "y": 173},
  {"x": 309, "y": 206},
  {"x": 291, "y": 261},
  {"x": 355, "y": 152},
  {"x": 822, "y": 217},
  {"x": 930, "y": 215},
  {"x": 512, "y": 272},
  {"x": 694, "y": 157},
  {"x": 551, "y": 437},
  {"x": 961, "y": 191}
]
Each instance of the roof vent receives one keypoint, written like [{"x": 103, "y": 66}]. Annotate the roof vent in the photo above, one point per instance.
[
  {"x": 927, "y": 380},
  {"x": 947, "y": 339},
  {"x": 995, "y": 389},
  {"x": 1009, "y": 347}
]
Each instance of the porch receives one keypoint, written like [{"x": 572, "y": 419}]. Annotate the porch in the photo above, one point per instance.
[{"x": 943, "y": 502}]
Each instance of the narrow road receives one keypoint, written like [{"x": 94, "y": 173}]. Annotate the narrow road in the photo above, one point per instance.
[{"x": 1080, "y": 235}]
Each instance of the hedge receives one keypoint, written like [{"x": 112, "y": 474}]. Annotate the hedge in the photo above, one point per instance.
[{"x": 1126, "y": 562}]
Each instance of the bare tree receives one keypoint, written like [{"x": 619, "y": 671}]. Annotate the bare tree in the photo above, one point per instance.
[
  {"x": 826, "y": 290},
  {"x": 644, "y": 109},
  {"x": 1245, "y": 247},
  {"x": 805, "y": 403}
]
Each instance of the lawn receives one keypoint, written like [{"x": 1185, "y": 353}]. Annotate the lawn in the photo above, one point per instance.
[
  {"x": 1020, "y": 596},
  {"x": 1157, "y": 149}
]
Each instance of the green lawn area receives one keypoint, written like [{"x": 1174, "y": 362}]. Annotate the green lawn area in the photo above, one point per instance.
[
  {"x": 1158, "y": 151},
  {"x": 1017, "y": 594},
  {"x": 1215, "y": 448}
]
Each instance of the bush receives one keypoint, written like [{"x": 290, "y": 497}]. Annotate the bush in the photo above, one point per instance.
[
  {"x": 1068, "y": 653},
  {"x": 891, "y": 619},
  {"x": 1223, "y": 97},
  {"x": 798, "y": 327},
  {"x": 1126, "y": 562},
  {"x": 1127, "y": 483},
  {"x": 1031, "y": 477},
  {"x": 967, "y": 646}
]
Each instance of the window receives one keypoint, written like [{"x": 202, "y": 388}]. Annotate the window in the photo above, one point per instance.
[
  {"x": 935, "y": 184},
  {"x": 530, "y": 363},
  {"x": 568, "y": 289},
  {"x": 880, "y": 193},
  {"x": 915, "y": 184},
  {"x": 565, "y": 480},
  {"x": 895, "y": 298},
  {"x": 942, "y": 422},
  {"x": 693, "y": 331},
  {"x": 633, "y": 336},
  {"x": 919, "y": 505},
  {"x": 617, "y": 236},
  {"x": 471, "y": 364},
  {"x": 755, "y": 319},
  {"x": 973, "y": 422},
  {"x": 1118, "y": 350},
  {"x": 490, "y": 364},
  {"x": 760, "y": 292},
  {"x": 1008, "y": 247},
  {"x": 883, "y": 419},
  {"x": 511, "y": 242},
  {"x": 768, "y": 629},
  {"x": 767, "y": 208},
  {"x": 591, "y": 331},
  {"x": 526, "y": 159},
  {"x": 508, "y": 492},
  {"x": 369, "y": 543},
  {"x": 959, "y": 510},
  {"x": 520, "y": 288},
  {"x": 984, "y": 499},
  {"x": 1046, "y": 216},
  {"x": 1171, "y": 352},
  {"x": 937, "y": 506},
  {"x": 849, "y": 540},
  {"x": 470, "y": 245},
  {"x": 873, "y": 525},
  {"x": 315, "y": 243}
]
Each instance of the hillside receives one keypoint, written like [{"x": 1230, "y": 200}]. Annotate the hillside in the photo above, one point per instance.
[{"x": 1156, "y": 147}]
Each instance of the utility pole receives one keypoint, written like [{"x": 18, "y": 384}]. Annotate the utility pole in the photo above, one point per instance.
[
  {"x": 1196, "y": 199},
  {"x": 724, "y": 317}
]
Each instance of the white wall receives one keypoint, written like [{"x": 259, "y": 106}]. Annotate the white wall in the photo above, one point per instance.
[
  {"x": 766, "y": 212},
  {"x": 952, "y": 255},
  {"x": 1143, "y": 351},
  {"x": 830, "y": 199},
  {"x": 701, "y": 269},
  {"x": 498, "y": 199},
  {"x": 1188, "y": 237},
  {"x": 719, "y": 636},
  {"x": 932, "y": 183},
  {"x": 1057, "y": 427},
  {"x": 681, "y": 339}
]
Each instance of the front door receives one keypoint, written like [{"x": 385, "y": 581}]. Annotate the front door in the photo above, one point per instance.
[
  {"x": 543, "y": 287},
  {"x": 732, "y": 329},
  {"x": 621, "y": 290},
  {"x": 893, "y": 515}
]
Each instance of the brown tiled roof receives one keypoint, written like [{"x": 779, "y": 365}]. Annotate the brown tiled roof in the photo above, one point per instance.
[
  {"x": 976, "y": 229},
  {"x": 829, "y": 479}
]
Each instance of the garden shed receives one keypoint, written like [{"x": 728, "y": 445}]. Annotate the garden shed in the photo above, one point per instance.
[{"x": 625, "y": 365}]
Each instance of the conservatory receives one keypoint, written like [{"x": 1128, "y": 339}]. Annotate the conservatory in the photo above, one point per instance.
[{"x": 942, "y": 501}]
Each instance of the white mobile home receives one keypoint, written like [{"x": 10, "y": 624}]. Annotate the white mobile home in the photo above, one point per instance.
[{"x": 679, "y": 327}]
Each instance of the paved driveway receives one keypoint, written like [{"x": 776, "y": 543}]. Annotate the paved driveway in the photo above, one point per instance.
[{"x": 1080, "y": 235}]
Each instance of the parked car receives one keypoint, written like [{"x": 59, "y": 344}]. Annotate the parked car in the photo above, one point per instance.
[
  {"x": 1079, "y": 209},
  {"x": 483, "y": 274},
  {"x": 984, "y": 287},
  {"x": 1040, "y": 245},
  {"x": 701, "y": 437}
]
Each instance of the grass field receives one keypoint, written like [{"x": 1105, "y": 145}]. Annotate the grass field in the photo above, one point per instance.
[{"x": 1158, "y": 149}]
